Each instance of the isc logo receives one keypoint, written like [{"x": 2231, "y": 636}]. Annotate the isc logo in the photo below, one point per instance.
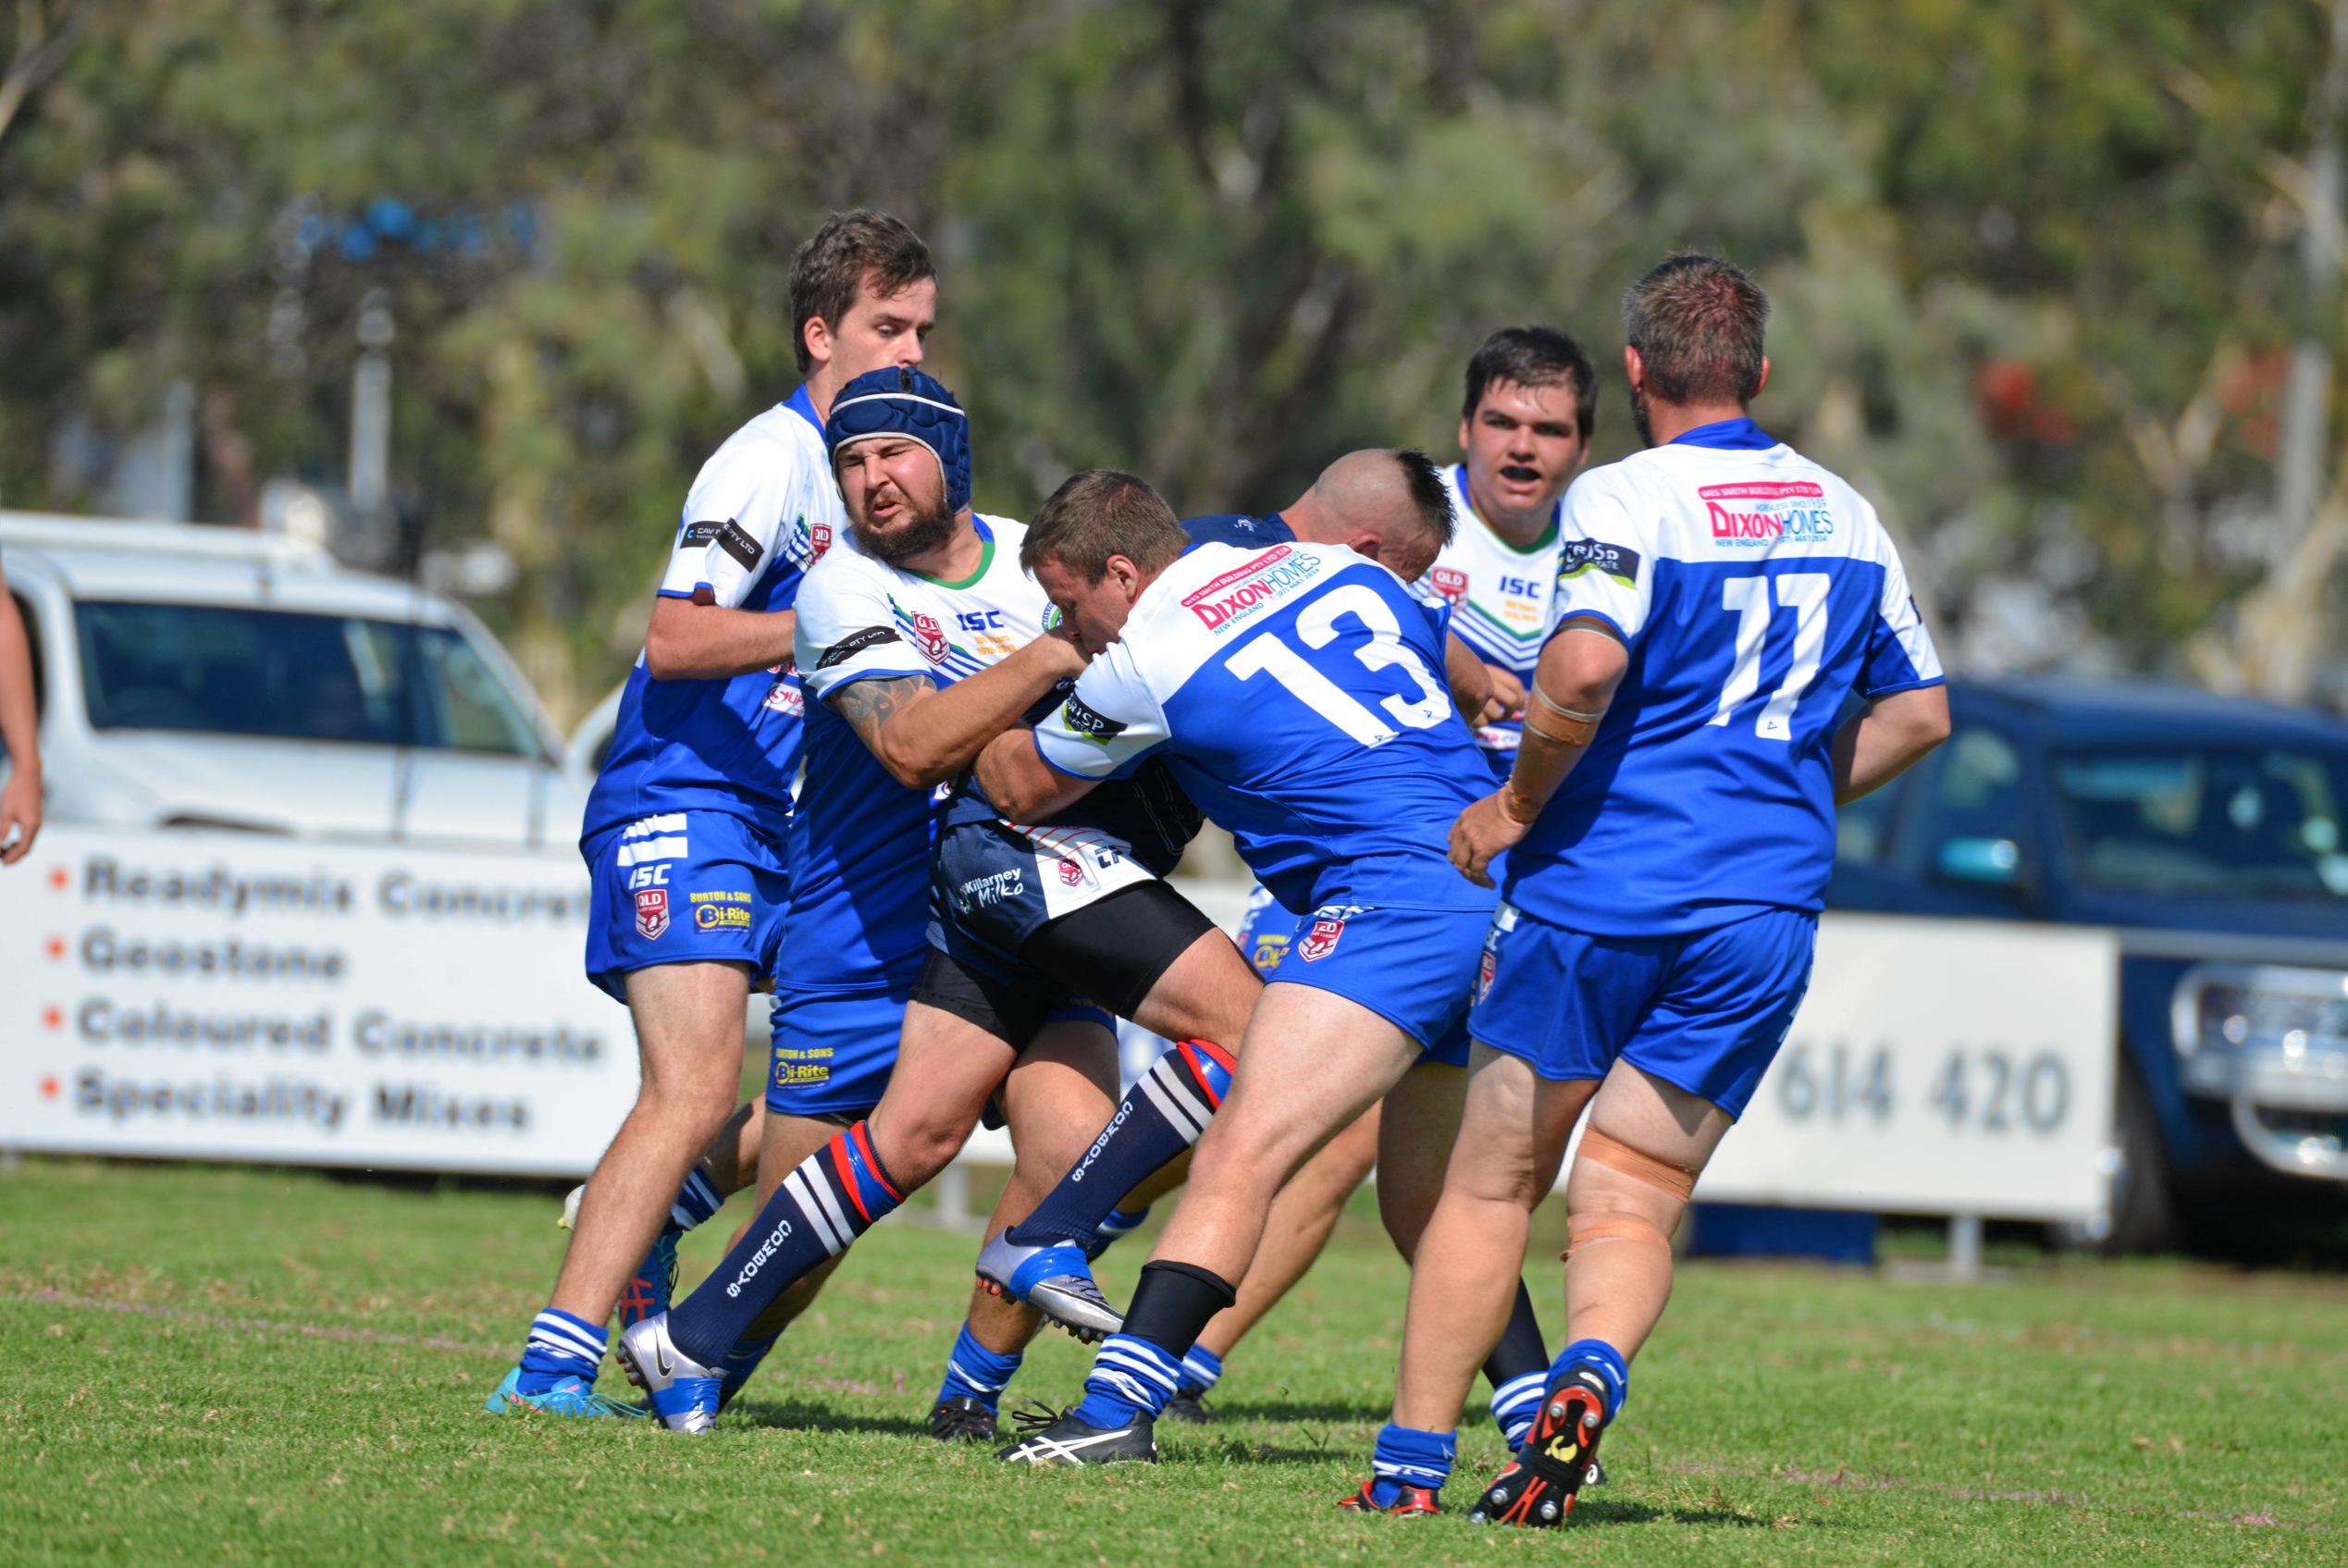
[
  {"x": 1528, "y": 588},
  {"x": 979, "y": 620}
]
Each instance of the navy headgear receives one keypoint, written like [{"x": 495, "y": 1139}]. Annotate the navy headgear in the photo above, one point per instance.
[{"x": 895, "y": 400}]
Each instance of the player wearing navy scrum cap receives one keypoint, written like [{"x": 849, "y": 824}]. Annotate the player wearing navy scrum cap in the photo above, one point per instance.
[
  {"x": 684, "y": 833},
  {"x": 1721, "y": 599},
  {"x": 920, "y": 638}
]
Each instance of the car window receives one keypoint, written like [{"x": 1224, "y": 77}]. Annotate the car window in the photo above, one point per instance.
[
  {"x": 230, "y": 669},
  {"x": 1971, "y": 793},
  {"x": 2183, "y": 819}
]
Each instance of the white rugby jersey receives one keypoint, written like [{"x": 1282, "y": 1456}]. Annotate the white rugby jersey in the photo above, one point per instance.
[
  {"x": 1500, "y": 597},
  {"x": 860, "y": 840},
  {"x": 1756, "y": 591},
  {"x": 761, "y": 510}
]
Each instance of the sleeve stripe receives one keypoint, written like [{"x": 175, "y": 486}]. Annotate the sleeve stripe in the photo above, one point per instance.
[
  {"x": 1567, "y": 617},
  {"x": 674, "y": 593},
  {"x": 1898, "y": 686},
  {"x": 848, "y": 678}
]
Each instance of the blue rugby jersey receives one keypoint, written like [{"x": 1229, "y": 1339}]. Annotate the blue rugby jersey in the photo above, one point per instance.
[
  {"x": 860, "y": 842},
  {"x": 1755, "y": 591},
  {"x": 1296, "y": 694},
  {"x": 764, "y": 507}
]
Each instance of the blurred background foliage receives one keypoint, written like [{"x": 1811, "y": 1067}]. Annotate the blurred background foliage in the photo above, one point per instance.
[{"x": 2057, "y": 282}]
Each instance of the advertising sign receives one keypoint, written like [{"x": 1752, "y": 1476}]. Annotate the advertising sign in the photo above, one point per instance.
[{"x": 228, "y": 996}]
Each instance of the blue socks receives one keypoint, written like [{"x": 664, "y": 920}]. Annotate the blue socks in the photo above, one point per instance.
[
  {"x": 974, "y": 1372},
  {"x": 559, "y": 1346},
  {"x": 1515, "y": 1403},
  {"x": 836, "y": 1194},
  {"x": 1131, "y": 1378},
  {"x": 1161, "y": 1116},
  {"x": 1407, "y": 1457},
  {"x": 1609, "y": 1364},
  {"x": 740, "y": 1362},
  {"x": 1118, "y": 1225},
  {"x": 1201, "y": 1367},
  {"x": 695, "y": 1200}
]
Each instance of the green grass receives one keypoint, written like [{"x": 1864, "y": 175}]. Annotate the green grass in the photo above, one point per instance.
[{"x": 253, "y": 1366}]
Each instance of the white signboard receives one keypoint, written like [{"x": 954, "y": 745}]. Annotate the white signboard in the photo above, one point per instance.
[
  {"x": 225, "y": 997},
  {"x": 1938, "y": 1067}
]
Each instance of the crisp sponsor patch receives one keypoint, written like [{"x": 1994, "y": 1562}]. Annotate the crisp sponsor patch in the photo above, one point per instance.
[
  {"x": 651, "y": 912},
  {"x": 1760, "y": 513},
  {"x": 1241, "y": 592},
  {"x": 855, "y": 643},
  {"x": 1577, "y": 556},
  {"x": 1094, "y": 726}
]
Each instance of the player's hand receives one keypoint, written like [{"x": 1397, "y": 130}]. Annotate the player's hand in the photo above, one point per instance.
[
  {"x": 1483, "y": 831},
  {"x": 1508, "y": 695},
  {"x": 19, "y": 815},
  {"x": 1063, "y": 654}
]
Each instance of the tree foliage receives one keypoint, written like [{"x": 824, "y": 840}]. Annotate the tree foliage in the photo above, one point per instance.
[{"x": 2032, "y": 259}]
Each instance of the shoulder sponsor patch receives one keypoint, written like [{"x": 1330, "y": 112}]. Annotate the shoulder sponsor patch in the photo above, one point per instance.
[
  {"x": 1093, "y": 725},
  {"x": 1578, "y": 556},
  {"x": 1762, "y": 511},
  {"x": 855, "y": 643},
  {"x": 729, "y": 537}
]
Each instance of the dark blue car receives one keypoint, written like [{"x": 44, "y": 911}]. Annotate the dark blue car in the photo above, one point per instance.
[{"x": 2212, "y": 833}]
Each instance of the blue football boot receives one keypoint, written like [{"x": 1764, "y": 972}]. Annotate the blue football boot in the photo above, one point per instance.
[
  {"x": 572, "y": 1396},
  {"x": 684, "y": 1393},
  {"x": 1055, "y": 1279}
]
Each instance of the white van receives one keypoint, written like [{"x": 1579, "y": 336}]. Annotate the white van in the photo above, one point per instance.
[{"x": 222, "y": 679}]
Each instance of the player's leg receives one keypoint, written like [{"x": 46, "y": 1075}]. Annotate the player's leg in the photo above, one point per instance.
[
  {"x": 1063, "y": 1083},
  {"x": 688, "y": 1036},
  {"x": 1304, "y": 1213},
  {"x": 946, "y": 1068},
  {"x": 1467, "y": 1276},
  {"x": 786, "y": 1142},
  {"x": 1312, "y": 1062},
  {"x": 1724, "y": 1001}
]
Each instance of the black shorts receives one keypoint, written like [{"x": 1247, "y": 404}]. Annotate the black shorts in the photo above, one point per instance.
[{"x": 1013, "y": 1011}]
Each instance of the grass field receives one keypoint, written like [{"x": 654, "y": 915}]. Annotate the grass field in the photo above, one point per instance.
[{"x": 255, "y": 1367}]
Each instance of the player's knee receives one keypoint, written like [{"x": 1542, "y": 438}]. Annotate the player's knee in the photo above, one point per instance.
[
  {"x": 1589, "y": 1229},
  {"x": 1611, "y": 1180},
  {"x": 918, "y": 1149}
]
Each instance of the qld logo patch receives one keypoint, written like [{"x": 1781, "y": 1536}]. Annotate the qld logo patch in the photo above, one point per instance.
[
  {"x": 1485, "y": 974},
  {"x": 1449, "y": 581},
  {"x": 819, "y": 540},
  {"x": 1070, "y": 873},
  {"x": 651, "y": 912},
  {"x": 931, "y": 636},
  {"x": 1321, "y": 940}
]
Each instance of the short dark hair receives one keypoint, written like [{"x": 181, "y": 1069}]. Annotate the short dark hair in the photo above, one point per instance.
[
  {"x": 1429, "y": 493},
  {"x": 1099, "y": 512},
  {"x": 1533, "y": 356},
  {"x": 848, "y": 249},
  {"x": 1697, "y": 323}
]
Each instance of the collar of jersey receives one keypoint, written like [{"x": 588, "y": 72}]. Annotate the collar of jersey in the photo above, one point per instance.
[
  {"x": 1727, "y": 435},
  {"x": 1467, "y": 504},
  {"x": 798, "y": 402},
  {"x": 987, "y": 558}
]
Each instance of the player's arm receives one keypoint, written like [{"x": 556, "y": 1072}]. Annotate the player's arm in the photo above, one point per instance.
[
  {"x": 697, "y": 639},
  {"x": 1573, "y": 687},
  {"x": 924, "y": 733},
  {"x": 1886, "y": 738},
  {"x": 20, "y": 801},
  {"x": 1023, "y": 787},
  {"x": 1470, "y": 680}
]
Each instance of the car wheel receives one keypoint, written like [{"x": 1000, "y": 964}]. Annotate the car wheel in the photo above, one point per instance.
[{"x": 2144, "y": 1200}]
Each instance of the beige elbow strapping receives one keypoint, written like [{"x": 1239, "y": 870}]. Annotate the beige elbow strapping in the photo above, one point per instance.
[{"x": 1565, "y": 726}]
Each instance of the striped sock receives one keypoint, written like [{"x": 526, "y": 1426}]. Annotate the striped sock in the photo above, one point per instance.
[
  {"x": 1161, "y": 1116},
  {"x": 1115, "y": 1227},
  {"x": 1201, "y": 1368},
  {"x": 695, "y": 1200},
  {"x": 559, "y": 1346},
  {"x": 1131, "y": 1378},
  {"x": 974, "y": 1372},
  {"x": 1407, "y": 1457},
  {"x": 1609, "y": 1366},
  {"x": 1515, "y": 1403},
  {"x": 836, "y": 1194}
]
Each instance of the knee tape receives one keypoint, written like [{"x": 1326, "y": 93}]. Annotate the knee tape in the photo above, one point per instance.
[
  {"x": 1585, "y": 1229},
  {"x": 1616, "y": 1155}
]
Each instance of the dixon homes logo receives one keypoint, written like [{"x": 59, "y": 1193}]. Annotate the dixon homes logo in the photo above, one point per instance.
[
  {"x": 1242, "y": 590},
  {"x": 1764, "y": 512}
]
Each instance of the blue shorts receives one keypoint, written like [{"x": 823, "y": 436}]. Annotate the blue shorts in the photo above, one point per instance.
[
  {"x": 833, "y": 1050},
  {"x": 1265, "y": 934},
  {"x": 679, "y": 888},
  {"x": 1412, "y": 966},
  {"x": 1705, "y": 1012}
]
